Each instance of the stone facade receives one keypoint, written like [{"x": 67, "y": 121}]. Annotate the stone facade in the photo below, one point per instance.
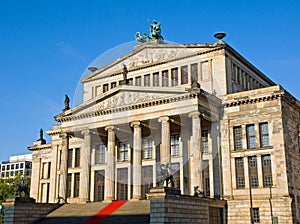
[{"x": 222, "y": 126}]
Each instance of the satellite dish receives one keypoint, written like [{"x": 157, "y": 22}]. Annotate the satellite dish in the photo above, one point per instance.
[{"x": 220, "y": 36}]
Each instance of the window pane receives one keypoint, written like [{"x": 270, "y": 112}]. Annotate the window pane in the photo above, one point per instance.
[
  {"x": 123, "y": 151},
  {"x": 194, "y": 71},
  {"x": 174, "y": 77},
  {"x": 70, "y": 158},
  {"x": 264, "y": 135},
  {"x": 165, "y": 78},
  {"x": 77, "y": 157},
  {"x": 184, "y": 74},
  {"x": 256, "y": 215},
  {"x": 156, "y": 79},
  {"x": 147, "y": 80},
  {"x": 147, "y": 149},
  {"x": 251, "y": 139},
  {"x": 204, "y": 141},
  {"x": 138, "y": 81},
  {"x": 174, "y": 145},
  {"x": 100, "y": 154},
  {"x": 237, "y": 135}
]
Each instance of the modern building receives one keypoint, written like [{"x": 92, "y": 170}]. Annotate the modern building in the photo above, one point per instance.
[
  {"x": 17, "y": 165},
  {"x": 221, "y": 125}
]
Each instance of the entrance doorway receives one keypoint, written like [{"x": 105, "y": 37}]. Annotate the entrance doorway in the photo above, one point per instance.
[
  {"x": 99, "y": 185},
  {"x": 122, "y": 187}
]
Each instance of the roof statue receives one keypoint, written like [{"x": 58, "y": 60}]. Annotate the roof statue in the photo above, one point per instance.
[
  {"x": 155, "y": 33},
  {"x": 67, "y": 102}
]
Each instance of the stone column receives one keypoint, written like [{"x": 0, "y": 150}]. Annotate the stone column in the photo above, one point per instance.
[
  {"x": 63, "y": 167},
  {"x": 137, "y": 160},
  {"x": 165, "y": 148},
  {"x": 85, "y": 163},
  {"x": 110, "y": 170},
  {"x": 195, "y": 153}
]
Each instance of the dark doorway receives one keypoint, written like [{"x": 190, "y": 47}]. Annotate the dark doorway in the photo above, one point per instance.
[
  {"x": 99, "y": 185},
  {"x": 147, "y": 180},
  {"x": 122, "y": 189}
]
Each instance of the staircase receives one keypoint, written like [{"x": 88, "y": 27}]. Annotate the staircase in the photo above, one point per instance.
[{"x": 120, "y": 212}]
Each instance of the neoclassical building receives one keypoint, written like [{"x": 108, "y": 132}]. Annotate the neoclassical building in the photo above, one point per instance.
[{"x": 220, "y": 124}]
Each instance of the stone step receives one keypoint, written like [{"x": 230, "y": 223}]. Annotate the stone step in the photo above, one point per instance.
[{"x": 130, "y": 212}]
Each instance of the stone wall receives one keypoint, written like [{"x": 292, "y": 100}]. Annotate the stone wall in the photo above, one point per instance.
[
  {"x": 166, "y": 207},
  {"x": 25, "y": 210}
]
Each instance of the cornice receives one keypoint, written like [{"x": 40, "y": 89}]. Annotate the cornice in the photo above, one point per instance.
[
  {"x": 140, "y": 105},
  {"x": 39, "y": 147}
]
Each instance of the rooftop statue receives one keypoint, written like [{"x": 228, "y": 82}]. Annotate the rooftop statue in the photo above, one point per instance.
[
  {"x": 140, "y": 38},
  {"x": 155, "y": 31},
  {"x": 67, "y": 102}
]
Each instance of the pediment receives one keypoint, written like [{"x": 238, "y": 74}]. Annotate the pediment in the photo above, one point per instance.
[
  {"x": 121, "y": 97},
  {"x": 146, "y": 55}
]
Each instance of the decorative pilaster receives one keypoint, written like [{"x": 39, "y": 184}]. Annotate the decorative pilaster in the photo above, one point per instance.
[
  {"x": 195, "y": 154},
  {"x": 63, "y": 168},
  {"x": 137, "y": 160},
  {"x": 110, "y": 171},
  {"x": 85, "y": 163},
  {"x": 165, "y": 147}
]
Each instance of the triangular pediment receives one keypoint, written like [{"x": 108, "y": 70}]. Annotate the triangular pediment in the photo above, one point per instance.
[
  {"x": 122, "y": 96},
  {"x": 148, "y": 54}
]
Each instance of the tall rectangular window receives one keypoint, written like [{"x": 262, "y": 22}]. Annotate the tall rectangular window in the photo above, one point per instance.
[
  {"x": 174, "y": 76},
  {"x": 267, "y": 170},
  {"x": 138, "y": 81},
  {"x": 105, "y": 87},
  {"x": 77, "y": 157},
  {"x": 113, "y": 85},
  {"x": 174, "y": 145},
  {"x": 255, "y": 214},
  {"x": 240, "y": 175},
  {"x": 147, "y": 80},
  {"x": 251, "y": 138},
  {"x": 204, "y": 141},
  {"x": 205, "y": 174},
  {"x": 123, "y": 152},
  {"x": 194, "y": 71},
  {"x": 76, "y": 184},
  {"x": 165, "y": 78},
  {"x": 156, "y": 79},
  {"x": 252, "y": 166},
  {"x": 264, "y": 135},
  {"x": 70, "y": 157},
  {"x": 130, "y": 82},
  {"x": 146, "y": 148},
  {"x": 238, "y": 137},
  {"x": 100, "y": 154},
  {"x": 184, "y": 75},
  {"x": 69, "y": 184},
  {"x": 175, "y": 170}
]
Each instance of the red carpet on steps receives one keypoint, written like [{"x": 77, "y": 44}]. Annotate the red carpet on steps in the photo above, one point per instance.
[{"x": 105, "y": 212}]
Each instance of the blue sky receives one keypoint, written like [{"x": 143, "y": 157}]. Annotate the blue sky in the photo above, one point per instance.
[{"x": 45, "y": 47}]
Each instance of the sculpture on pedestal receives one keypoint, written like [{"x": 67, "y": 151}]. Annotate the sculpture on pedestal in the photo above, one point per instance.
[
  {"x": 155, "y": 33},
  {"x": 164, "y": 175},
  {"x": 67, "y": 102}
]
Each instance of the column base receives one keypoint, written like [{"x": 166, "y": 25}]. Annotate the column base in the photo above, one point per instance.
[{"x": 109, "y": 199}]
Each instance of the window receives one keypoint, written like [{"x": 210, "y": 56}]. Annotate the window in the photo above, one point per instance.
[
  {"x": 12, "y": 166},
  {"x": 77, "y": 157},
  {"x": 100, "y": 154},
  {"x": 21, "y": 165},
  {"x": 76, "y": 184},
  {"x": 123, "y": 151},
  {"x": 253, "y": 175},
  {"x": 205, "y": 174},
  {"x": 70, "y": 158},
  {"x": 113, "y": 85},
  {"x": 69, "y": 184},
  {"x": 130, "y": 82},
  {"x": 3, "y": 168},
  {"x": 147, "y": 80},
  {"x": 17, "y": 166},
  {"x": 194, "y": 71},
  {"x": 255, "y": 215},
  {"x": 237, "y": 135},
  {"x": 138, "y": 81},
  {"x": 251, "y": 139},
  {"x": 174, "y": 77},
  {"x": 165, "y": 78},
  {"x": 264, "y": 135},
  {"x": 174, "y": 145},
  {"x": 8, "y": 167},
  {"x": 156, "y": 79},
  {"x": 175, "y": 170},
  {"x": 267, "y": 171},
  {"x": 184, "y": 75},
  {"x": 240, "y": 176},
  {"x": 204, "y": 141},
  {"x": 105, "y": 88},
  {"x": 147, "y": 148}
]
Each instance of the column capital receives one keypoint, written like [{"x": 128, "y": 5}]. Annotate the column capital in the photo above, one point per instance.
[
  {"x": 194, "y": 114},
  {"x": 109, "y": 128},
  {"x": 135, "y": 123},
  {"x": 86, "y": 132},
  {"x": 163, "y": 119},
  {"x": 64, "y": 135}
]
